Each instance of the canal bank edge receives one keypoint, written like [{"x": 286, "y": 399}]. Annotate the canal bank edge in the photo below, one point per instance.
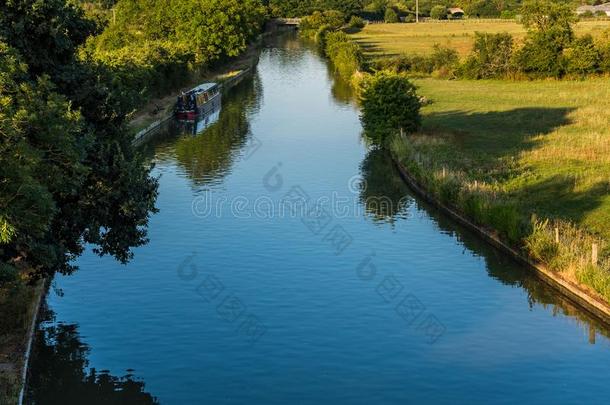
[
  {"x": 20, "y": 350},
  {"x": 40, "y": 294},
  {"x": 575, "y": 293}
]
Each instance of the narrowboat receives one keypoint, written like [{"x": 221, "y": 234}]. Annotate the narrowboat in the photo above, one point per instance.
[
  {"x": 201, "y": 123},
  {"x": 198, "y": 102}
]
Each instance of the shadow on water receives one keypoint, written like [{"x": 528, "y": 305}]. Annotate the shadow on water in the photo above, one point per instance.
[
  {"x": 381, "y": 178},
  {"x": 63, "y": 375},
  {"x": 209, "y": 155}
]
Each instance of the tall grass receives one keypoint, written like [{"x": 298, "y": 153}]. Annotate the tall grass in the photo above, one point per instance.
[{"x": 344, "y": 53}]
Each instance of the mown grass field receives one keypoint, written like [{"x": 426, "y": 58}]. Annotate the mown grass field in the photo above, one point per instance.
[
  {"x": 393, "y": 39},
  {"x": 545, "y": 144}
]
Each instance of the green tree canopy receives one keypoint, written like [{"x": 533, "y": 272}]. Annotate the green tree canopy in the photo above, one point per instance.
[
  {"x": 69, "y": 174},
  {"x": 389, "y": 104}
]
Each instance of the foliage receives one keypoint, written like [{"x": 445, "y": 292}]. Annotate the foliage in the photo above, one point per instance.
[
  {"x": 69, "y": 174},
  {"x": 486, "y": 8},
  {"x": 603, "y": 47},
  {"x": 550, "y": 31},
  {"x": 207, "y": 34},
  {"x": 442, "y": 58},
  {"x": 356, "y": 22},
  {"x": 389, "y": 104},
  {"x": 343, "y": 53},
  {"x": 508, "y": 14},
  {"x": 547, "y": 15},
  {"x": 330, "y": 20},
  {"x": 582, "y": 57},
  {"x": 390, "y": 16},
  {"x": 491, "y": 56},
  {"x": 290, "y": 8},
  {"x": 347, "y": 7},
  {"x": 299, "y": 8},
  {"x": 438, "y": 12}
]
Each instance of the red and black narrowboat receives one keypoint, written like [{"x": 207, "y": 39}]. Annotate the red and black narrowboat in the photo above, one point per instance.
[{"x": 198, "y": 102}]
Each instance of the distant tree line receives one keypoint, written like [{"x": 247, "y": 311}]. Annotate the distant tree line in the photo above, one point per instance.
[
  {"x": 550, "y": 49},
  {"x": 393, "y": 10}
]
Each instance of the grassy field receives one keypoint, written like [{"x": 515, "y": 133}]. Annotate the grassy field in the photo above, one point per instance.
[
  {"x": 394, "y": 39},
  {"x": 545, "y": 143}
]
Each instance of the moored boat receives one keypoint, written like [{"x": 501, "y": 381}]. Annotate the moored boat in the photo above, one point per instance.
[{"x": 198, "y": 101}]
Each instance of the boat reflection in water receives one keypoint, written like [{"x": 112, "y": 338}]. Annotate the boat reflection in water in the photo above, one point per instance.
[{"x": 203, "y": 121}]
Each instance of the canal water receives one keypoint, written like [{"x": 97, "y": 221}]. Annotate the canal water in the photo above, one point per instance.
[{"x": 289, "y": 264}]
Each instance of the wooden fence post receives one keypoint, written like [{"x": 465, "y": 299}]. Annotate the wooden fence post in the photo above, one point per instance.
[
  {"x": 594, "y": 254},
  {"x": 556, "y": 234}
]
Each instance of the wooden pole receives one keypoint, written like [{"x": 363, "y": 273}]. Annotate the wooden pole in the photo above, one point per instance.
[
  {"x": 416, "y": 11},
  {"x": 556, "y": 234},
  {"x": 594, "y": 254}
]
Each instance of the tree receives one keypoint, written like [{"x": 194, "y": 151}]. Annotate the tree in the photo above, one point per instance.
[
  {"x": 491, "y": 56},
  {"x": 389, "y": 104},
  {"x": 70, "y": 175},
  {"x": 603, "y": 46},
  {"x": 582, "y": 57},
  {"x": 547, "y": 16},
  {"x": 290, "y": 8},
  {"x": 550, "y": 31},
  {"x": 390, "y": 16},
  {"x": 438, "y": 13},
  {"x": 347, "y": 7}
]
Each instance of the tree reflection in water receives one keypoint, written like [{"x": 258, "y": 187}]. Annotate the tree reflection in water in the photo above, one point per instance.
[
  {"x": 209, "y": 156},
  {"x": 383, "y": 194},
  {"x": 63, "y": 375}
]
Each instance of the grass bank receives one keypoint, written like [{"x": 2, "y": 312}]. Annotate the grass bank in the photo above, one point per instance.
[
  {"x": 503, "y": 151},
  {"x": 384, "y": 40}
]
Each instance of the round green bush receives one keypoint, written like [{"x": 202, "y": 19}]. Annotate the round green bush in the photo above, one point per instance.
[
  {"x": 438, "y": 12},
  {"x": 390, "y": 16},
  {"x": 389, "y": 104}
]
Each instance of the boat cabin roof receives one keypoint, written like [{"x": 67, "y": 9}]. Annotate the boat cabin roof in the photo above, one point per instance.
[{"x": 203, "y": 87}]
